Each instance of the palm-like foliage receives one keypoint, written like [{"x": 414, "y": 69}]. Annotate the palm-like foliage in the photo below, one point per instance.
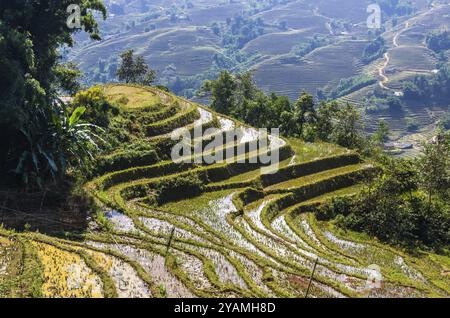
[{"x": 52, "y": 137}]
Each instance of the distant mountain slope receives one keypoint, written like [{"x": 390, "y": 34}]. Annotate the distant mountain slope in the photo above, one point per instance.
[{"x": 188, "y": 42}]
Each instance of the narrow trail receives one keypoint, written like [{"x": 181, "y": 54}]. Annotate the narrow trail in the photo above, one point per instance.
[
  {"x": 395, "y": 41},
  {"x": 381, "y": 72},
  {"x": 387, "y": 58}
]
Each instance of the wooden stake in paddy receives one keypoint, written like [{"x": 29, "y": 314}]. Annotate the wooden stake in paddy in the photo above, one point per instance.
[
  {"x": 312, "y": 276},
  {"x": 172, "y": 233}
]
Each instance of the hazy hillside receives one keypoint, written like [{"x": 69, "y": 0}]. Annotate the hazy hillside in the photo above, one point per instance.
[{"x": 290, "y": 45}]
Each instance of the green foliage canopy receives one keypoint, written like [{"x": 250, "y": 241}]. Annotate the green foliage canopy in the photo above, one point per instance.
[{"x": 31, "y": 119}]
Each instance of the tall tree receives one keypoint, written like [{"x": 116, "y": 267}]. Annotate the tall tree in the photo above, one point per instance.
[
  {"x": 347, "y": 130},
  {"x": 135, "y": 70},
  {"x": 382, "y": 133},
  {"x": 435, "y": 167},
  {"x": 126, "y": 69},
  {"x": 31, "y": 34},
  {"x": 222, "y": 93},
  {"x": 327, "y": 120},
  {"x": 305, "y": 110}
]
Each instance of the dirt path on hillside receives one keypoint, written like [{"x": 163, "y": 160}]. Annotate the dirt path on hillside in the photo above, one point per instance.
[
  {"x": 387, "y": 59},
  {"x": 395, "y": 40},
  {"x": 382, "y": 70}
]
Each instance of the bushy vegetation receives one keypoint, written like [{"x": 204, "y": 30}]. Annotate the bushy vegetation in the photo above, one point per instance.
[
  {"x": 374, "y": 50},
  {"x": 412, "y": 125},
  {"x": 180, "y": 187},
  {"x": 135, "y": 70},
  {"x": 98, "y": 109},
  {"x": 396, "y": 7},
  {"x": 438, "y": 41},
  {"x": 238, "y": 96},
  {"x": 383, "y": 101},
  {"x": 135, "y": 154},
  {"x": 408, "y": 204},
  {"x": 307, "y": 47},
  {"x": 346, "y": 86},
  {"x": 434, "y": 88},
  {"x": 238, "y": 31}
]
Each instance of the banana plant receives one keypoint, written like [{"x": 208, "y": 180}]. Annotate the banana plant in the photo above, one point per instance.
[{"x": 56, "y": 140}]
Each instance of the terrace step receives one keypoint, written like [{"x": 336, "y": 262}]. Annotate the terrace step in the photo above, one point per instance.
[
  {"x": 216, "y": 250},
  {"x": 291, "y": 185}
]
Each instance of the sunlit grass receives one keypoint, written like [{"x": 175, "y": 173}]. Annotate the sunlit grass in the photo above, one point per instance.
[
  {"x": 317, "y": 177},
  {"x": 306, "y": 151},
  {"x": 130, "y": 97}
]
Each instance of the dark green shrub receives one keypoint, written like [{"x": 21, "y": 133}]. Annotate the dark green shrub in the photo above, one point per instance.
[
  {"x": 98, "y": 110},
  {"x": 179, "y": 187},
  {"x": 125, "y": 160},
  {"x": 250, "y": 195},
  {"x": 334, "y": 207},
  {"x": 412, "y": 125},
  {"x": 395, "y": 209}
]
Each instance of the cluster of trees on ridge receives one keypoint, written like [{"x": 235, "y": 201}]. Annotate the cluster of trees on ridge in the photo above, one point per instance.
[
  {"x": 374, "y": 50},
  {"x": 345, "y": 86},
  {"x": 238, "y": 31},
  {"x": 396, "y": 7},
  {"x": 238, "y": 96},
  {"x": 430, "y": 88},
  {"x": 438, "y": 41}
]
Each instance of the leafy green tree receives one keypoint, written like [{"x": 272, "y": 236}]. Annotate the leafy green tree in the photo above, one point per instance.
[
  {"x": 348, "y": 127},
  {"x": 374, "y": 50},
  {"x": 305, "y": 111},
  {"x": 68, "y": 78},
  {"x": 31, "y": 34},
  {"x": 438, "y": 41},
  {"x": 401, "y": 176},
  {"x": 435, "y": 167},
  {"x": 222, "y": 93},
  {"x": 340, "y": 124},
  {"x": 246, "y": 86},
  {"x": 135, "y": 70},
  {"x": 326, "y": 121},
  {"x": 382, "y": 133},
  {"x": 126, "y": 69},
  {"x": 386, "y": 212},
  {"x": 238, "y": 96}
]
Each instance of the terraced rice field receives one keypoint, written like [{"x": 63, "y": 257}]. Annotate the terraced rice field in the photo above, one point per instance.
[
  {"x": 407, "y": 56},
  {"x": 241, "y": 234},
  {"x": 321, "y": 67}
]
